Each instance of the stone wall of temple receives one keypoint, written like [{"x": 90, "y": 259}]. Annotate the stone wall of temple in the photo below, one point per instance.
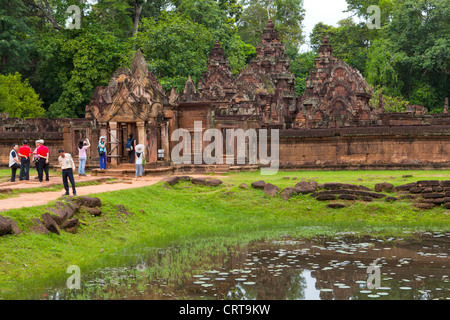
[
  {"x": 57, "y": 134},
  {"x": 390, "y": 147}
]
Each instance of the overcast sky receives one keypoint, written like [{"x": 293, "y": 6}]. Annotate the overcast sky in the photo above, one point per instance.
[{"x": 326, "y": 11}]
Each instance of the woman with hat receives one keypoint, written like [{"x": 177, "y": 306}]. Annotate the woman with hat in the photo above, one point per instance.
[{"x": 140, "y": 148}]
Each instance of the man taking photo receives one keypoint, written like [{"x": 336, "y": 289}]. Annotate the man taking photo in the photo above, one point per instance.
[{"x": 68, "y": 167}]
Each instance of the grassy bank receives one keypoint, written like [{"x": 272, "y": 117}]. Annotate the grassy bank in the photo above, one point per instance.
[
  {"x": 56, "y": 187},
  {"x": 160, "y": 215}
]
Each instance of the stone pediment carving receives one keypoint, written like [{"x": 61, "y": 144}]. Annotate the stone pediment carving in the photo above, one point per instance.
[{"x": 129, "y": 95}]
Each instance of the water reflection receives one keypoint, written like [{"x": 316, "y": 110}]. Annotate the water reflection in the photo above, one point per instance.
[{"x": 294, "y": 269}]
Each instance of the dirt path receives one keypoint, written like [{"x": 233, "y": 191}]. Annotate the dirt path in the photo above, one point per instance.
[{"x": 42, "y": 198}]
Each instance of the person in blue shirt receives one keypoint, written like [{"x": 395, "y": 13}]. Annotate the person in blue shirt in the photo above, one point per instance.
[{"x": 102, "y": 152}]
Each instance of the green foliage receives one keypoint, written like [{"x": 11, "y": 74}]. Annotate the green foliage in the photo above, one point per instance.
[
  {"x": 380, "y": 67},
  {"x": 319, "y": 31},
  {"x": 74, "y": 63},
  {"x": 16, "y": 42},
  {"x": 114, "y": 17},
  {"x": 238, "y": 53},
  {"x": 301, "y": 65},
  {"x": 425, "y": 94},
  {"x": 420, "y": 35},
  {"x": 287, "y": 15},
  {"x": 18, "y": 98},
  {"x": 175, "y": 47},
  {"x": 218, "y": 17},
  {"x": 390, "y": 103},
  {"x": 205, "y": 12},
  {"x": 348, "y": 40},
  {"x": 408, "y": 57},
  {"x": 360, "y": 8}
]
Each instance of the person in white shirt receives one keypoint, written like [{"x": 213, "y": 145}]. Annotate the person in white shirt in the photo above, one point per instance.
[
  {"x": 14, "y": 162},
  {"x": 140, "y": 148},
  {"x": 68, "y": 167}
]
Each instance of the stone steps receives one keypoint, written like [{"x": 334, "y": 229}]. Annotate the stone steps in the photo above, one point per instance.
[{"x": 130, "y": 172}]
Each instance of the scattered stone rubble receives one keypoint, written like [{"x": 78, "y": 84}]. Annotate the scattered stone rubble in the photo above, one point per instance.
[
  {"x": 210, "y": 182},
  {"x": 425, "y": 194},
  {"x": 57, "y": 218}
]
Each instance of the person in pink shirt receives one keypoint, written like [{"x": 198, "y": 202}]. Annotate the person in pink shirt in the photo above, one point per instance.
[{"x": 82, "y": 156}]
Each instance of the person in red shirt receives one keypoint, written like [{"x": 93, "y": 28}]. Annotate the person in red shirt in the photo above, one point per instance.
[
  {"x": 24, "y": 154},
  {"x": 43, "y": 154}
]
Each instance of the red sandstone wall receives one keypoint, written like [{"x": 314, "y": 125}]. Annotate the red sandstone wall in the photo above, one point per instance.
[
  {"x": 57, "y": 134},
  {"x": 382, "y": 147}
]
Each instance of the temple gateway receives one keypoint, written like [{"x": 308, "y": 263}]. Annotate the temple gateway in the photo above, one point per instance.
[{"x": 332, "y": 125}]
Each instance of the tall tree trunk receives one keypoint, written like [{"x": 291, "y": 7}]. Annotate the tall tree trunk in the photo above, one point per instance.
[{"x": 137, "y": 16}]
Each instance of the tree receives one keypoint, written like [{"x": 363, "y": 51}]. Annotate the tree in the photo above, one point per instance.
[
  {"x": 390, "y": 103},
  {"x": 419, "y": 35},
  {"x": 348, "y": 40},
  {"x": 319, "y": 31},
  {"x": 114, "y": 17},
  {"x": 18, "y": 98},
  {"x": 301, "y": 65},
  {"x": 146, "y": 9},
  {"x": 73, "y": 63},
  {"x": 287, "y": 15},
  {"x": 175, "y": 47},
  {"x": 238, "y": 52},
  {"x": 16, "y": 41}
]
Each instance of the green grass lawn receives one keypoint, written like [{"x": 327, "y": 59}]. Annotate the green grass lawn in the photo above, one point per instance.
[
  {"x": 5, "y": 174},
  {"x": 162, "y": 215}
]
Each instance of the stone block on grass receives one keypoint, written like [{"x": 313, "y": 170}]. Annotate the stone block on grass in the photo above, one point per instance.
[
  {"x": 271, "y": 190},
  {"x": 428, "y": 183},
  {"x": 384, "y": 186},
  {"x": 287, "y": 193},
  {"x": 50, "y": 223},
  {"x": 326, "y": 197},
  {"x": 5, "y": 226},
  {"x": 348, "y": 197},
  {"x": 90, "y": 202},
  {"x": 96, "y": 212},
  {"x": 336, "y": 205},
  {"x": 38, "y": 227},
  {"x": 304, "y": 187},
  {"x": 404, "y": 187},
  {"x": 258, "y": 184},
  {"x": 424, "y": 206}
]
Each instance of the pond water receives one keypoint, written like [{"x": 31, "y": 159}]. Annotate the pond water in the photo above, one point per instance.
[{"x": 280, "y": 269}]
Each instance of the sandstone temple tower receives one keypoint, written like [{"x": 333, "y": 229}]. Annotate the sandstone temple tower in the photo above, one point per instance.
[{"x": 336, "y": 95}]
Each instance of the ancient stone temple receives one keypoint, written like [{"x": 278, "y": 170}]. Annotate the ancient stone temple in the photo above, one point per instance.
[
  {"x": 262, "y": 94},
  {"x": 133, "y": 102},
  {"x": 336, "y": 95},
  {"x": 330, "y": 126}
]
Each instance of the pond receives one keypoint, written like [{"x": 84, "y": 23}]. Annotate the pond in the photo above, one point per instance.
[{"x": 285, "y": 268}]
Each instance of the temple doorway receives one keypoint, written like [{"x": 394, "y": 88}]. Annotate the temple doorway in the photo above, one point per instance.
[{"x": 118, "y": 134}]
